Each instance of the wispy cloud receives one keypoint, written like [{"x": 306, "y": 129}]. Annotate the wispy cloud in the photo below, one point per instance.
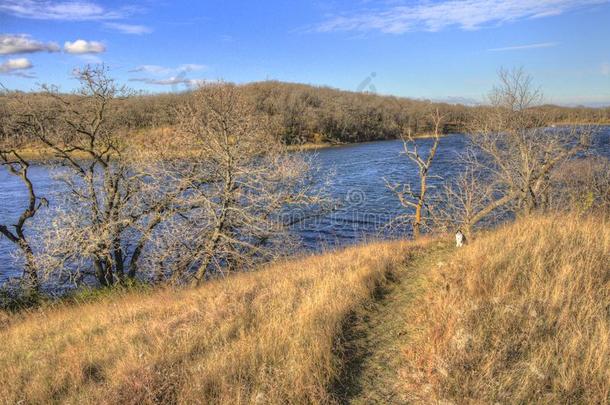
[
  {"x": 191, "y": 67},
  {"x": 435, "y": 16},
  {"x": 156, "y": 69},
  {"x": 170, "y": 81},
  {"x": 129, "y": 28},
  {"x": 80, "y": 46},
  {"x": 62, "y": 10},
  {"x": 178, "y": 75},
  {"x": 605, "y": 69},
  {"x": 523, "y": 47},
  {"x": 77, "y": 10},
  {"x": 11, "y": 44},
  {"x": 16, "y": 67}
]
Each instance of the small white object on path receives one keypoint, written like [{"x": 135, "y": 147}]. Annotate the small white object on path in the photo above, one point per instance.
[{"x": 460, "y": 239}]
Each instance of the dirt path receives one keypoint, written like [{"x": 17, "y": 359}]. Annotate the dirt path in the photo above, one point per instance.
[{"x": 376, "y": 336}]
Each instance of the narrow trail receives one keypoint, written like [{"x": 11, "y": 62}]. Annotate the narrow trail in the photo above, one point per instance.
[{"x": 377, "y": 335}]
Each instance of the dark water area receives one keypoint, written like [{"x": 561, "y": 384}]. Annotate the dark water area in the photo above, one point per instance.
[{"x": 364, "y": 204}]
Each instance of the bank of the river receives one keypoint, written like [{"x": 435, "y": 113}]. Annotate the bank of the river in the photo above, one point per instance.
[
  {"x": 364, "y": 205},
  {"x": 41, "y": 153},
  {"x": 324, "y": 145}
]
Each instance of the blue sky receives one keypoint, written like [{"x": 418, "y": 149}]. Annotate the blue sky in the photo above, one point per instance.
[{"x": 443, "y": 49}]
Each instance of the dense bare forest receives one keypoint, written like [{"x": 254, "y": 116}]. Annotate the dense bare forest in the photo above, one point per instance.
[{"x": 300, "y": 113}]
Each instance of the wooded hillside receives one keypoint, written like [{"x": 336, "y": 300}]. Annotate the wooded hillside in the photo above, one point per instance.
[{"x": 301, "y": 113}]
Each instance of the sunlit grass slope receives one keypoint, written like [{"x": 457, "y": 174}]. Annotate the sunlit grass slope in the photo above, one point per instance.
[
  {"x": 263, "y": 337},
  {"x": 522, "y": 315}
]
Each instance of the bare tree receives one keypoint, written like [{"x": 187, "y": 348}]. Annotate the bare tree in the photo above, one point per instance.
[
  {"x": 18, "y": 166},
  {"x": 218, "y": 196},
  {"x": 101, "y": 202},
  {"x": 244, "y": 185},
  {"x": 416, "y": 199},
  {"x": 517, "y": 148},
  {"x": 12, "y": 140}
]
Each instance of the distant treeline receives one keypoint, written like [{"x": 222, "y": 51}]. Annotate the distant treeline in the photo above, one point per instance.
[{"x": 300, "y": 113}]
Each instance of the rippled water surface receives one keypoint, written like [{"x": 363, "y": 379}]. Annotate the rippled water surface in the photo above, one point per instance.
[{"x": 366, "y": 204}]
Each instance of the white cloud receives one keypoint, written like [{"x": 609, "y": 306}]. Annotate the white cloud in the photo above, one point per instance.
[
  {"x": 605, "y": 70},
  {"x": 170, "y": 81},
  {"x": 523, "y": 47},
  {"x": 129, "y": 28},
  {"x": 435, "y": 16},
  {"x": 74, "y": 10},
  {"x": 21, "y": 43},
  {"x": 178, "y": 75},
  {"x": 190, "y": 67},
  {"x": 81, "y": 46},
  {"x": 61, "y": 10},
  {"x": 156, "y": 69},
  {"x": 16, "y": 67},
  {"x": 16, "y": 64}
]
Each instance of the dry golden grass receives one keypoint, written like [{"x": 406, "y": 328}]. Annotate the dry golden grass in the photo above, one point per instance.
[
  {"x": 519, "y": 316},
  {"x": 264, "y": 337}
]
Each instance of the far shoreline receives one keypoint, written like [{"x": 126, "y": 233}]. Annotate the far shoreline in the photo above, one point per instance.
[{"x": 39, "y": 155}]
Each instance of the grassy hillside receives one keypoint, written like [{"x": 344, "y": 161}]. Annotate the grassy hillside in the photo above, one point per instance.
[
  {"x": 519, "y": 316},
  {"x": 264, "y": 337}
]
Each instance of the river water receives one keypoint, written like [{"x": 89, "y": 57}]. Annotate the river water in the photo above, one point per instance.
[{"x": 364, "y": 204}]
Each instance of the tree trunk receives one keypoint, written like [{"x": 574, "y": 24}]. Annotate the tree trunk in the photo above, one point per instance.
[
  {"x": 417, "y": 222},
  {"x": 100, "y": 274},
  {"x": 203, "y": 267},
  {"x": 103, "y": 272},
  {"x": 30, "y": 274},
  {"x": 119, "y": 266}
]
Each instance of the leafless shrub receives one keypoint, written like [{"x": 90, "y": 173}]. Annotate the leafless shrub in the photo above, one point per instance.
[{"x": 101, "y": 201}]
